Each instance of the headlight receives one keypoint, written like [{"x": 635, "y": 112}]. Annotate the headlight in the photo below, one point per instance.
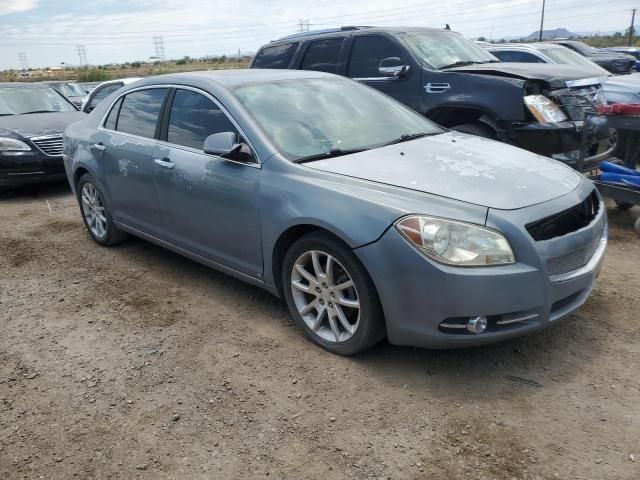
[
  {"x": 10, "y": 146},
  {"x": 544, "y": 109},
  {"x": 456, "y": 243}
]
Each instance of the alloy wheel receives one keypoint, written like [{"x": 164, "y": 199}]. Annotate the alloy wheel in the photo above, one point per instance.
[
  {"x": 325, "y": 296},
  {"x": 93, "y": 210}
]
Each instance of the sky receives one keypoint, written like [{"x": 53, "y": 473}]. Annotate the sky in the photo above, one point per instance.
[{"x": 49, "y": 31}]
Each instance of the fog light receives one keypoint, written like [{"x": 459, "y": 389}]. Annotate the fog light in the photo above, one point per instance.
[{"x": 477, "y": 324}]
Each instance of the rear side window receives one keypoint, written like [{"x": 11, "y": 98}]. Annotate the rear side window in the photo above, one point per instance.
[
  {"x": 193, "y": 118},
  {"x": 139, "y": 112},
  {"x": 368, "y": 51},
  {"x": 111, "y": 121},
  {"x": 278, "y": 56},
  {"x": 103, "y": 93},
  {"x": 522, "y": 57},
  {"x": 323, "y": 55}
]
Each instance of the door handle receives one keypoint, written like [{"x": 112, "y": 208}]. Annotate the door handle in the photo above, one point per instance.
[
  {"x": 437, "y": 87},
  {"x": 163, "y": 163},
  {"x": 99, "y": 147}
]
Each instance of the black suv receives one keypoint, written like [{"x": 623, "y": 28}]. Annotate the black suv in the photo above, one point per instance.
[
  {"x": 456, "y": 83},
  {"x": 615, "y": 62}
]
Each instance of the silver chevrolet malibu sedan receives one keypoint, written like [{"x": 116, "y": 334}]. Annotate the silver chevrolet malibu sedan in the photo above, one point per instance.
[{"x": 368, "y": 219}]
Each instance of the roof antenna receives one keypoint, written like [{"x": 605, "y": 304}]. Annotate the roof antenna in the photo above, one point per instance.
[{"x": 447, "y": 27}]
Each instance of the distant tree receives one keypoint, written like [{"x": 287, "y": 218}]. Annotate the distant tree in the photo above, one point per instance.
[
  {"x": 93, "y": 75},
  {"x": 482, "y": 39}
]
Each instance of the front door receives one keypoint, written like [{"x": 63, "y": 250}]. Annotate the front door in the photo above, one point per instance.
[
  {"x": 367, "y": 51},
  {"x": 209, "y": 204}
]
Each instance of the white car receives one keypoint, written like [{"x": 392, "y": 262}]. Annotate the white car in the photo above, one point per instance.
[{"x": 103, "y": 90}]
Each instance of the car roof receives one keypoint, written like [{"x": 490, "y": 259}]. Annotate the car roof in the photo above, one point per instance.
[
  {"x": 227, "y": 78},
  {"x": 32, "y": 85},
  {"x": 527, "y": 46},
  {"x": 342, "y": 31}
]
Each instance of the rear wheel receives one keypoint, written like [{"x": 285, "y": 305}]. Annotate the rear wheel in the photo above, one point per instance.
[
  {"x": 478, "y": 129},
  {"x": 331, "y": 296},
  {"x": 95, "y": 213}
]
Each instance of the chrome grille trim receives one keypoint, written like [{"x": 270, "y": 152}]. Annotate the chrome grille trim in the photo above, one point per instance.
[
  {"x": 49, "y": 145},
  {"x": 577, "y": 263}
]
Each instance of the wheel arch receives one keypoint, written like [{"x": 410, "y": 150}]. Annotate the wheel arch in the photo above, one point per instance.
[{"x": 452, "y": 115}]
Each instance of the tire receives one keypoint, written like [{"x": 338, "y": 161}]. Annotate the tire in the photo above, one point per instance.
[
  {"x": 90, "y": 209},
  {"x": 366, "y": 321},
  {"x": 477, "y": 129}
]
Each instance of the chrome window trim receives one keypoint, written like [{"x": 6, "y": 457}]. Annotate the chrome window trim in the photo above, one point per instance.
[{"x": 257, "y": 164}]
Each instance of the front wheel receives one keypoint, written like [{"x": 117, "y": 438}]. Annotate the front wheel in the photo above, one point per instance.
[
  {"x": 331, "y": 296},
  {"x": 477, "y": 129},
  {"x": 95, "y": 213}
]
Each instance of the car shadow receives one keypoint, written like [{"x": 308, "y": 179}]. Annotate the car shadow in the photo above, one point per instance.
[{"x": 42, "y": 190}]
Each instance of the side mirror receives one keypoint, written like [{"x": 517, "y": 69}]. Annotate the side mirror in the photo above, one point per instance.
[
  {"x": 223, "y": 144},
  {"x": 393, "y": 67}
]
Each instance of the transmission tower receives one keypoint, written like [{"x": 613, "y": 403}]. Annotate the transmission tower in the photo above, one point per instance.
[
  {"x": 23, "y": 61},
  {"x": 82, "y": 55},
  {"x": 158, "y": 43},
  {"x": 303, "y": 25}
]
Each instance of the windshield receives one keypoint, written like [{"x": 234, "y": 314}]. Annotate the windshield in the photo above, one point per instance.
[
  {"x": 445, "y": 49},
  {"x": 565, "y": 56},
  {"x": 583, "y": 48},
  {"x": 69, "y": 89},
  {"x": 309, "y": 117},
  {"x": 16, "y": 100}
]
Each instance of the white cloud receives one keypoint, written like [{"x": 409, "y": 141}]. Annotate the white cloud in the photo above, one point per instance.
[{"x": 16, "y": 6}]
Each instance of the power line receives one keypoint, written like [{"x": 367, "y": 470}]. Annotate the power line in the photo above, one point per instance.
[
  {"x": 541, "y": 21},
  {"x": 633, "y": 17}
]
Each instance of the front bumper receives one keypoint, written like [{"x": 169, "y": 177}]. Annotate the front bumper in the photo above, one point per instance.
[
  {"x": 418, "y": 295},
  {"x": 563, "y": 141},
  {"x": 29, "y": 169}
]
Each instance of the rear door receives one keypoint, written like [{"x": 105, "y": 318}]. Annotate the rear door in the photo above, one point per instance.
[
  {"x": 208, "y": 203},
  {"x": 124, "y": 147},
  {"x": 367, "y": 51}
]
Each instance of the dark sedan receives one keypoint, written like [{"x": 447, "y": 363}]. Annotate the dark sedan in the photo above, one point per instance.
[
  {"x": 614, "y": 62},
  {"x": 32, "y": 119}
]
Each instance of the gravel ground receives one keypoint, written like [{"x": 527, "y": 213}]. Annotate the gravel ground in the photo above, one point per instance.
[{"x": 133, "y": 362}]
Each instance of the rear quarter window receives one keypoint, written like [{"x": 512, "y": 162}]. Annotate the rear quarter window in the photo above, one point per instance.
[{"x": 278, "y": 56}]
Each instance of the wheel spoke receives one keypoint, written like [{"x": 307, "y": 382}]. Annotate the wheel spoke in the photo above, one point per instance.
[
  {"x": 317, "y": 268},
  {"x": 310, "y": 278},
  {"x": 329, "y": 269},
  {"x": 344, "y": 285},
  {"x": 319, "y": 318},
  {"x": 348, "y": 303},
  {"x": 334, "y": 327},
  {"x": 301, "y": 286},
  {"x": 343, "y": 320}
]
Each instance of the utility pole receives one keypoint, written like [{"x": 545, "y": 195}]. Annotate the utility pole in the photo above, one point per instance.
[
  {"x": 23, "y": 61},
  {"x": 633, "y": 17},
  {"x": 541, "y": 21},
  {"x": 82, "y": 55},
  {"x": 158, "y": 43}
]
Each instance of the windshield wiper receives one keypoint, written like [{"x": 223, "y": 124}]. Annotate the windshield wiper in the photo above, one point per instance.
[
  {"x": 39, "y": 111},
  {"x": 461, "y": 63},
  {"x": 409, "y": 136},
  {"x": 334, "y": 152}
]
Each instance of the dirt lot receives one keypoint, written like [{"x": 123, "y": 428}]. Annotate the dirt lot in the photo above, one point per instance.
[{"x": 133, "y": 362}]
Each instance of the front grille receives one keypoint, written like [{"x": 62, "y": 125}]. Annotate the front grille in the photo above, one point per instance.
[
  {"x": 567, "y": 221},
  {"x": 578, "y": 102},
  {"x": 51, "y": 145},
  {"x": 573, "y": 260}
]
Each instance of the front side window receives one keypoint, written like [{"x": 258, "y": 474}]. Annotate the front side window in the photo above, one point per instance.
[
  {"x": 139, "y": 112},
  {"x": 19, "y": 101},
  {"x": 193, "y": 118},
  {"x": 112, "y": 118},
  {"x": 278, "y": 56},
  {"x": 367, "y": 53},
  {"x": 323, "y": 55},
  {"x": 315, "y": 116},
  {"x": 443, "y": 49},
  {"x": 103, "y": 93}
]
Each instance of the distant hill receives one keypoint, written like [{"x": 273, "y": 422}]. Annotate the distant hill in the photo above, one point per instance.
[{"x": 550, "y": 34}]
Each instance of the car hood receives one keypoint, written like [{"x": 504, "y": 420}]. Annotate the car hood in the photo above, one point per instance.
[
  {"x": 555, "y": 75},
  {"x": 461, "y": 167},
  {"x": 608, "y": 57},
  {"x": 37, "y": 124}
]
